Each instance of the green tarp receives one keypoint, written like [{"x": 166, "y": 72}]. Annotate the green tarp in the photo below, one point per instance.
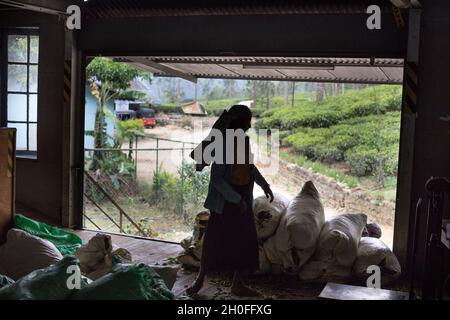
[
  {"x": 127, "y": 282},
  {"x": 50, "y": 283},
  {"x": 66, "y": 242},
  {"x": 5, "y": 281}
]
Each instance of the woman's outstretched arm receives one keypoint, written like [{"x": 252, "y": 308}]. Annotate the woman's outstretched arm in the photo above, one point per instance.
[{"x": 260, "y": 181}]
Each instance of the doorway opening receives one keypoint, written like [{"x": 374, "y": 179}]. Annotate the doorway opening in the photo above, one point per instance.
[{"x": 341, "y": 134}]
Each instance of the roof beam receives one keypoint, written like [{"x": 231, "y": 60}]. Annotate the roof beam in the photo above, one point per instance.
[
  {"x": 162, "y": 68},
  {"x": 43, "y": 6},
  {"x": 298, "y": 79},
  {"x": 318, "y": 35}
]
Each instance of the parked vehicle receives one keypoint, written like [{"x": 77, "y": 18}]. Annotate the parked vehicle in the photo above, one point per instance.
[
  {"x": 125, "y": 115},
  {"x": 148, "y": 116}
]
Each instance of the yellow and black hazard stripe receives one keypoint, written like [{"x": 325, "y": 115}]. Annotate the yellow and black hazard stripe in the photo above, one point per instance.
[
  {"x": 399, "y": 21},
  {"x": 410, "y": 87},
  {"x": 10, "y": 154},
  {"x": 67, "y": 80}
]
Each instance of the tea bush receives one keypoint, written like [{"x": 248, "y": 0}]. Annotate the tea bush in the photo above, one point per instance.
[
  {"x": 363, "y": 143},
  {"x": 354, "y": 103}
]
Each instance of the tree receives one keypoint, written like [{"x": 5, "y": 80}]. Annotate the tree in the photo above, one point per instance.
[
  {"x": 261, "y": 91},
  {"x": 215, "y": 93},
  {"x": 286, "y": 93},
  {"x": 107, "y": 79},
  {"x": 205, "y": 86},
  {"x": 270, "y": 91},
  {"x": 319, "y": 92},
  {"x": 128, "y": 130},
  {"x": 170, "y": 89},
  {"x": 229, "y": 86},
  {"x": 180, "y": 90},
  {"x": 293, "y": 93}
]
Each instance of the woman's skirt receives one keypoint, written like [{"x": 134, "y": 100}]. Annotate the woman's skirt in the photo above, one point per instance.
[{"x": 230, "y": 241}]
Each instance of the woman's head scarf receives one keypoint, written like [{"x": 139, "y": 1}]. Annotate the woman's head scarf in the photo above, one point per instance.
[{"x": 225, "y": 121}]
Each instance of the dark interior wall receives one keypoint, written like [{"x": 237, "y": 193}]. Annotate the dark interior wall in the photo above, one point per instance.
[
  {"x": 432, "y": 128},
  {"x": 39, "y": 181}
]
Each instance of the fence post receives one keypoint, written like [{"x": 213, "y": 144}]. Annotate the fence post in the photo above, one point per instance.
[
  {"x": 157, "y": 168},
  {"x": 182, "y": 182},
  {"x": 136, "y": 158},
  {"x": 157, "y": 156},
  {"x": 120, "y": 221}
]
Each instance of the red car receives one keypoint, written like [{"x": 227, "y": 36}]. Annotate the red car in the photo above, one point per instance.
[{"x": 148, "y": 116}]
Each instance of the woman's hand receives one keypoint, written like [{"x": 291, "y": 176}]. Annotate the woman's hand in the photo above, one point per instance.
[
  {"x": 243, "y": 205},
  {"x": 268, "y": 192}
]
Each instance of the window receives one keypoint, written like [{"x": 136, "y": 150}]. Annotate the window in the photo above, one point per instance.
[{"x": 21, "y": 61}]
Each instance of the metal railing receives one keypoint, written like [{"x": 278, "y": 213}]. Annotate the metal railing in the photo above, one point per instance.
[
  {"x": 122, "y": 213},
  {"x": 185, "y": 146}
]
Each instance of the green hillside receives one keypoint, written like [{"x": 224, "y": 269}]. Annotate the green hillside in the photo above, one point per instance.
[{"x": 359, "y": 129}]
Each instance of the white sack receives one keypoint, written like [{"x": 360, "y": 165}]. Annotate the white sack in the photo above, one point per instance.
[
  {"x": 305, "y": 217},
  {"x": 96, "y": 254},
  {"x": 324, "y": 271},
  {"x": 167, "y": 273},
  {"x": 373, "y": 251},
  {"x": 339, "y": 239},
  {"x": 186, "y": 242},
  {"x": 268, "y": 215},
  {"x": 188, "y": 260},
  {"x": 193, "y": 245},
  {"x": 24, "y": 253},
  {"x": 336, "y": 249},
  {"x": 264, "y": 263},
  {"x": 278, "y": 248}
]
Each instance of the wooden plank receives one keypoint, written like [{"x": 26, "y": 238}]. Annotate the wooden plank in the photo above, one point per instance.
[
  {"x": 7, "y": 179},
  {"x": 142, "y": 250},
  {"x": 337, "y": 291}
]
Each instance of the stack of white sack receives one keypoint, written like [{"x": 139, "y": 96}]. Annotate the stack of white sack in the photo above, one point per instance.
[
  {"x": 336, "y": 250},
  {"x": 267, "y": 219},
  {"x": 295, "y": 239},
  {"x": 373, "y": 252}
]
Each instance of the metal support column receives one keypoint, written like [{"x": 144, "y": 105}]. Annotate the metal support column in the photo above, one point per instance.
[
  {"x": 77, "y": 132},
  {"x": 408, "y": 118}
]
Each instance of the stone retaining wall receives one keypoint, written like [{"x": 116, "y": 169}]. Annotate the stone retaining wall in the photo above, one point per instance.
[{"x": 339, "y": 196}]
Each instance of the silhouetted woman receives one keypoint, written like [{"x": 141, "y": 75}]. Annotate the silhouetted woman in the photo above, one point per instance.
[{"x": 230, "y": 242}]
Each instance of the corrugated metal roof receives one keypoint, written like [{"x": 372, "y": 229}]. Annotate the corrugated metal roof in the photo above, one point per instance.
[
  {"x": 359, "y": 70},
  {"x": 147, "y": 8}
]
